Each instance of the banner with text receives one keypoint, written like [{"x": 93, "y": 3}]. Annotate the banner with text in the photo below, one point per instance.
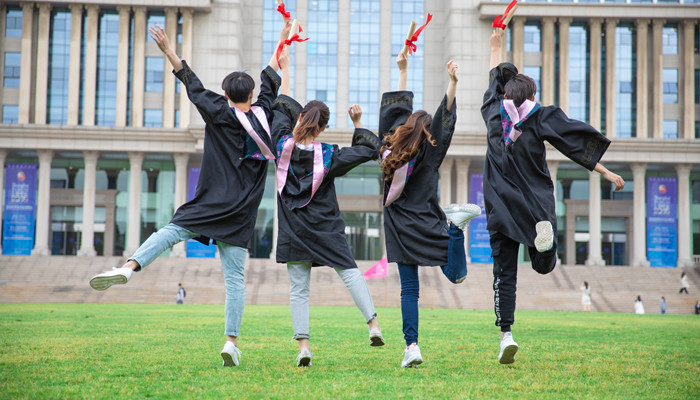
[
  {"x": 196, "y": 249},
  {"x": 479, "y": 243},
  {"x": 20, "y": 207},
  {"x": 662, "y": 221}
]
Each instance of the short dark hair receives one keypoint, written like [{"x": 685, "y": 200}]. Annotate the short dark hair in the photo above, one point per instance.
[
  {"x": 237, "y": 86},
  {"x": 520, "y": 88}
]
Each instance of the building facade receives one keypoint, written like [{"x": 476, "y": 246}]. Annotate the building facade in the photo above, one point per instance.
[{"x": 89, "y": 100}]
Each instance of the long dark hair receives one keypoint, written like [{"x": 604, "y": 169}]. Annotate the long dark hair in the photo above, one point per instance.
[
  {"x": 405, "y": 142},
  {"x": 314, "y": 118},
  {"x": 585, "y": 284}
]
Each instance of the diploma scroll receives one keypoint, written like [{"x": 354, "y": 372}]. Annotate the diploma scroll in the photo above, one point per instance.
[{"x": 411, "y": 31}]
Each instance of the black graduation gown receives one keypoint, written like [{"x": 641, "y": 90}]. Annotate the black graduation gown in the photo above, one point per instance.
[
  {"x": 230, "y": 185},
  {"x": 315, "y": 233},
  {"x": 518, "y": 190},
  {"x": 415, "y": 226}
]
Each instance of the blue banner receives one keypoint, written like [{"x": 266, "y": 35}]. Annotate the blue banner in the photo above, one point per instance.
[
  {"x": 196, "y": 249},
  {"x": 479, "y": 243},
  {"x": 662, "y": 221},
  {"x": 20, "y": 207}
]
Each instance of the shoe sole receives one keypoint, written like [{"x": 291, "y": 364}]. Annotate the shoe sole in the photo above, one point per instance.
[
  {"x": 375, "y": 341},
  {"x": 104, "y": 282},
  {"x": 508, "y": 356},
  {"x": 228, "y": 360},
  {"x": 544, "y": 238},
  {"x": 460, "y": 280},
  {"x": 413, "y": 363},
  {"x": 304, "y": 362}
]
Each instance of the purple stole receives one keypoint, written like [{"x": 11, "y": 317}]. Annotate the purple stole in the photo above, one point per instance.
[{"x": 260, "y": 115}]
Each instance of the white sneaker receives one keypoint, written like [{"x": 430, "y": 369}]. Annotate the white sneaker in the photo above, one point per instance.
[
  {"x": 545, "y": 236},
  {"x": 375, "y": 337},
  {"x": 508, "y": 349},
  {"x": 304, "y": 358},
  {"x": 231, "y": 355},
  {"x": 461, "y": 215},
  {"x": 117, "y": 276},
  {"x": 411, "y": 357}
]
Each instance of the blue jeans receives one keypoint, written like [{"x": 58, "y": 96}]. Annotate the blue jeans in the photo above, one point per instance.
[
  {"x": 232, "y": 262},
  {"x": 455, "y": 268}
]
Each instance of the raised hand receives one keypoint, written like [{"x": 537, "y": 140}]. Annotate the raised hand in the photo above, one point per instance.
[
  {"x": 496, "y": 39},
  {"x": 615, "y": 179},
  {"x": 452, "y": 68},
  {"x": 284, "y": 33},
  {"x": 158, "y": 35},
  {"x": 355, "y": 113},
  {"x": 402, "y": 61}
]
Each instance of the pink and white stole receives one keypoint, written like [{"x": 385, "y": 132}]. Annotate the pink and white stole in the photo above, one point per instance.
[
  {"x": 285, "y": 160},
  {"x": 397, "y": 182},
  {"x": 511, "y": 132},
  {"x": 260, "y": 115}
]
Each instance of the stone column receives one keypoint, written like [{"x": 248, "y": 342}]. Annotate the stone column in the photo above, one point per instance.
[
  {"x": 657, "y": 93},
  {"x": 3, "y": 156},
  {"x": 594, "y": 201},
  {"x": 90, "y": 91},
  {"x": 168, "y": 77},
  {"x": 611, "y": 92},
  {"x": 87, "y": 242},
  {"x": 138, "y": 68},
  {"x": 639, "y": 233},
  {"x": 181, "y": 160},
  {"x": 186, "y": 54},
  {"x": 462, "y": 166},
  {"x": 25, "y": 75},
  {"x": 123, "y": 64},
  {"x": 594, "y": 27},
  {"x": 341, "y": 109},
  {"x": 446, "y": 182},
  {"x": 41, "y": 244},
  {"x": 42, "y": 64},
  {"x": 76, "y": 26},
  {"x": 386, "y": 61},
  {"x": 684, "y": 256},
  {"x": 548, "y": 61},
  {"x": 564, "y": 24},
  {"x": 517, "y": 45},
  {"x": 133, "y": 228},
  {"x": 688, "y": 80},
  {"x": 642, "y": 77},
  {"x": 299, "y": 88}
]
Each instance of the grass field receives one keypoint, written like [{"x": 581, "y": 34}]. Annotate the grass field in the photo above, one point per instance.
[{"x": 168, "y": 351}]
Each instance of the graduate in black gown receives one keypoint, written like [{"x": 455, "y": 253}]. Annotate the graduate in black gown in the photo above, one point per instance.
[
  {"x": 311, "y": 228},
  {"x": 518, "y": 190},
  {"x": 416, "y": 228},
  {"x": 237, "y": 147}
]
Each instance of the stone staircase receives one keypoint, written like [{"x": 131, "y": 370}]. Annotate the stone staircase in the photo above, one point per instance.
[{"x": 64, "y": 279}]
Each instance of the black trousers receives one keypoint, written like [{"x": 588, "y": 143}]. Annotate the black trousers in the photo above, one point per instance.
[{"x": 504, "y": 251}]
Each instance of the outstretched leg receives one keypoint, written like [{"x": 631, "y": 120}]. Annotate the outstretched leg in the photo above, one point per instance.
[
  {"x": 357, "y": 286},
  {"x": 456, "y": 268}
]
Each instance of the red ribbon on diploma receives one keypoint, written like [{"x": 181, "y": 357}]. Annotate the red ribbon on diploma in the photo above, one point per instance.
[
  {"x": 288, "y": 42},
  {"x": 286, "y": 14},
  {"x": 411, "y": 42},
  {"x": 498, "y": 21}
]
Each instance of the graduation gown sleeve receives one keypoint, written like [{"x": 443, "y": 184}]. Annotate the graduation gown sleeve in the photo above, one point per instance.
[
  {"x": 442, "y": 128},
  {"x": 270, "y": 83},
  {"x": 394, "y": 110},
  {"x": 365, "y": 147},
  {"x": 211, "y": 106},
  {"x": 285, "y": 112}
]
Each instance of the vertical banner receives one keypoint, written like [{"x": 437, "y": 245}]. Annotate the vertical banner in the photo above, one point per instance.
[
  {"x": 20, "y": 207},
  {"x": 662, "y": 221},
  {"x": 196, "y": 249},
  {"x": 479, "y": 243}
]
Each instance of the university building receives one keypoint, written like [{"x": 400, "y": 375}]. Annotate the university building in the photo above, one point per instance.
[{"x": 100, "y": 143}]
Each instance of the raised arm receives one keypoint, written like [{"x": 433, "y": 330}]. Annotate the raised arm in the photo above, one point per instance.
[
  {"x": 402, "y": 62},
  {"x": 284, "y": 34},
  {"x": 355, "y": 113},
  {"x": 285, "y": 88},
  {"x": 495, "y": 43},
  {"x": 158, "y": 35},
  {"x": 452, "y": 86},
  {"x": 610, "y": 176}
]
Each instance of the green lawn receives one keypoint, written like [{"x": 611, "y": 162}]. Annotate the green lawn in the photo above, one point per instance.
[{"x": 168, "y": 351}]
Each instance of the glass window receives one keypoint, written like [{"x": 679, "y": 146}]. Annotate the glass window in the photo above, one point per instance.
[
  {"x": 670, "y": 39},
  {"x": 670, "y": 129},
  {"x": 154, "y": 74},
  {"x": 13, "y": 22},
  {"x": 322, "y": 54},
  {"x": 272, "y": 23},
  {"x": 532, "y": 38},
  {"x": 9, "y": 114},
  {"x": 363, "y": 74},
  {"x": 152, "y": 118},
  {"x": 625, "y": 66},
  {"x": 670, "y": 76},
  {"x": 578, "y": 72},
  {"x": 13, "y": 61},
  {"x": 696, "y": 192},
  {"x": 534, "y": 73},
  {"x": 154, "y": 18},
  {"x": 59, "y": 64},
  {"x": 402, "y": 13},
  {"x": 107, "y": 53},
  {"x": 697, "y": 86},
  {"x": 177, "y": 118},
  {"x": 179, "y": 29}
]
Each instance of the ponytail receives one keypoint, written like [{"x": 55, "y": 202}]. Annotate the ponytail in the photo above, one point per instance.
[{"x": 314, "y": 117}]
